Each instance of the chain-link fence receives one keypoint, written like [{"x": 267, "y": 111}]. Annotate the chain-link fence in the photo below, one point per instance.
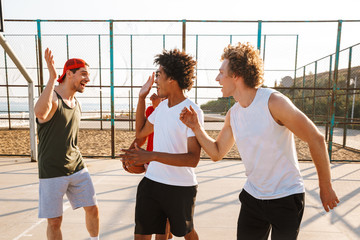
[
  {"x": 121, "y": 53},
  {"x": 333, "y": 104}
]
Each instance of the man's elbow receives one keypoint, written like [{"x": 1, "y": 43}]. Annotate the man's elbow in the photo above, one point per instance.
[
  {"x": 193, "y": 164},
  {"x": 317, "y": 141},
  {"x": 215, "y": 158},
  {"x": 42, "y": 112},
  {"x": 139, "y": 134},
  {"x": 318, "y": 138},
  {"x": 39, "y": 115},
  {"x": 194, "y": 161}
]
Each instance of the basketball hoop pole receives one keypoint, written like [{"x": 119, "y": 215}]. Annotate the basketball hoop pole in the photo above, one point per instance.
[{"x": 22, "y": 69}]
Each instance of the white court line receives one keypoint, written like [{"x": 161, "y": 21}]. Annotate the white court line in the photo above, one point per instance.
[
  {"x": 65, "y": 207},
  {"x": 29, "y": 229},
  {"x": 25, "y": 233}
]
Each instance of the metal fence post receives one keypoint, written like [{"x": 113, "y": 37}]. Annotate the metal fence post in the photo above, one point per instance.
[
  {"x": 32, "y": 124},
  {"x": 37, "y": 63},
  {"x": 131, "y": 113},
  {"x": 259, "y": 35},
  {"x": 296, "y": 57},
  {"x": 303, "y": 91},
  {"x": 334, "y": 91},
  {"x": 347, "y": 97},
  {"x": 100, "y": 82},
  {"x": 130, "y": 122},
  {"x": 264, "y": 50},
  {"x": 164, "y": 42},
  {"x": 328, "y": 101},
  {"x": 314, "y": 97},
  {"x": 40, "y": 67},
  {"x": 196, "y": 78},
  {"x": 184, "y": 35},
  {"x": 112, "y": 88},
  {"x": 7, "y": 89},
  {"x": 67, "y": 47}
]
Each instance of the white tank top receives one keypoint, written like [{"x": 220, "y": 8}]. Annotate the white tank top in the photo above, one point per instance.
[{"x": 267, "y": 150}]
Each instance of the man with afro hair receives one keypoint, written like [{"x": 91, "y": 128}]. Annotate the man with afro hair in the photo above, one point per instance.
[{"x": 168, "y": 190}]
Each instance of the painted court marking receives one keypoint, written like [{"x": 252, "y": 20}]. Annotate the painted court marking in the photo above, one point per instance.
[{"x": 65, "y": 207}]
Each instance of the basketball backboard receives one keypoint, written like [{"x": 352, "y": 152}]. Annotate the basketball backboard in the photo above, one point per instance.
[{"x": 1, "y": 19}]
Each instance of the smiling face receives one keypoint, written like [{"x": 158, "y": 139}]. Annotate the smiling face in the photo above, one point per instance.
[
  {"x": 162, "y": 82},
  {"x": 79, "y": 79},
  {"x": 226, "y": 80}
]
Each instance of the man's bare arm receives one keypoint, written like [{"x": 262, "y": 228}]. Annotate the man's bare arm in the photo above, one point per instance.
[
  {"x": 142, "y": 130},
  {"x": 190, "y": 159},
  {"x": 216, "y": 149},
  {"x": 138, "y": 141},
  {"x": 47, "y": 103},
  {"x": 285, "y": 113}
]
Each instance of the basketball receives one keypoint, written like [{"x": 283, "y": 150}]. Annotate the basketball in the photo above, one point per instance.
[{"x": 136, "y": 169}]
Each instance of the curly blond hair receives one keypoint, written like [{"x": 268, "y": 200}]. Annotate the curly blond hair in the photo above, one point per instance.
[{"x": 245, "y": 62}]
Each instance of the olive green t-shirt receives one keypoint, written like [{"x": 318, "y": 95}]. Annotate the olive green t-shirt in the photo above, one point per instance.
[{"x": 59, "y": 154}]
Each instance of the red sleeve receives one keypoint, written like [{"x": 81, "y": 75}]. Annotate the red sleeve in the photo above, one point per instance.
[
  {"x": 149, "y": 110},
  {"x": 150, "y": 138}
]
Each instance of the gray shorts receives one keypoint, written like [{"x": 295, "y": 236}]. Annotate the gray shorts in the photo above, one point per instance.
[{"x": 79, "y": 190}]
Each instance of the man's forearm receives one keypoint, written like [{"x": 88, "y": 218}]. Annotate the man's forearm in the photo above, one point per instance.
[
  {"x": 140, "y": 116},
  {"x": 207, "y": 143},
  {"x": 43, "y": 105},
  {"x": 139, "y": 141},
  {"x": 321, "y": 160},
  {"x": 179, "y": 159}
]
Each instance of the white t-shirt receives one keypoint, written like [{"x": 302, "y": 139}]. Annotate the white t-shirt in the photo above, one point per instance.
[
  {"x": 267, "y": 150},
  {"x": 170, "y": 136}
]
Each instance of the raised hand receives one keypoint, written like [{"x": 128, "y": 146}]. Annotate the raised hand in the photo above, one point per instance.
[
  {"x": 189, "y": 117},
  {"x": 50, "y": 64},
  {"x": 145, "y": 89}
]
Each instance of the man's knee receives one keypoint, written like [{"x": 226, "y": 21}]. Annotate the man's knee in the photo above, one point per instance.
[
  {"x": 142, "y": 237},
  {"x": 92, "y": 211},
  {"x": 54, "y": 223},
  {"x": 192, "y": 235}
]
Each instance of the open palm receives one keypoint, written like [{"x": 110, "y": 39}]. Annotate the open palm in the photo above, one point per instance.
[
  {"x": 50, "y": 63},
  {"x": 145, "y": 89}
]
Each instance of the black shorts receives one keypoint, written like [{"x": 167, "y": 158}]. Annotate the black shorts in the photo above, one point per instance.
[
  {"x": 282, "y": 216},
  {"x": 157, "y": 202}
]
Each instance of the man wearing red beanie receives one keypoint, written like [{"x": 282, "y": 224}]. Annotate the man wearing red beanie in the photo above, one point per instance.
[{"x": 61, "y": 167}]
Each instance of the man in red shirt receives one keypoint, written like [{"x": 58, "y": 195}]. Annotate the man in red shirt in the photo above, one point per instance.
[{"x": 155, "y": 99}]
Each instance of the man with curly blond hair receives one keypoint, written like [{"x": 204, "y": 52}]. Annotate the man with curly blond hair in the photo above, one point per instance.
[
  {"x": 263, "y": 122},
  {"x": 168, "y": 190}
]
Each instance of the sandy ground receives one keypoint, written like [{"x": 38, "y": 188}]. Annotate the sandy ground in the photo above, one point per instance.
[{"x": 97, "y": 143}]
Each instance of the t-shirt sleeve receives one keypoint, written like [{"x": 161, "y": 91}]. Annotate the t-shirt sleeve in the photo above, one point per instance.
[
  {"x": 151, "y": 118},
  {"x": 200, "y": 114}
]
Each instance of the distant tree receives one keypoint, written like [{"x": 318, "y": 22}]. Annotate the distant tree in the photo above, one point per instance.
[{"x": 221, "y": 105}]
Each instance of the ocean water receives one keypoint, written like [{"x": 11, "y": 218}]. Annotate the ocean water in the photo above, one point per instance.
[{"x": 22, "y": 106}]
